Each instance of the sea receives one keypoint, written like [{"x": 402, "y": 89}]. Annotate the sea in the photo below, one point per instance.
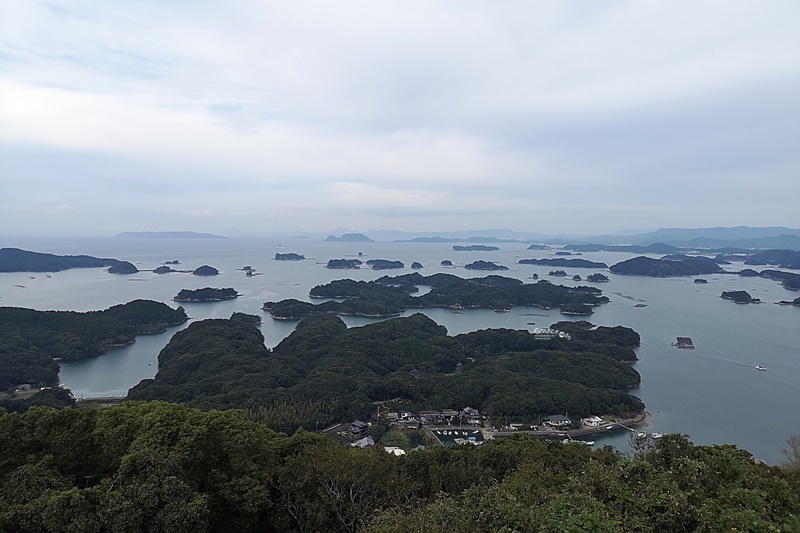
[{"x": 714, "y": 394}]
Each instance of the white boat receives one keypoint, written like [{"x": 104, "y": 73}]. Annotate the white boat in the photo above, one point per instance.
[{"x": 759, "y": 367}]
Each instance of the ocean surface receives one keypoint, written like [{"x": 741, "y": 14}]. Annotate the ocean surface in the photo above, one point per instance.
[{"x": 712, "y": 393}]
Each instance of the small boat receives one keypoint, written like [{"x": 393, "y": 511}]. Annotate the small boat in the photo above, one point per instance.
[{"x": 762, "y": 368}]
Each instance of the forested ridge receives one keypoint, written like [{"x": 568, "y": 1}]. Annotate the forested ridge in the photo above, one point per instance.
[
  {"x": 168, "y": 468},
  {"x": 324, "y": 372},
  {"x": 388, "y": 296},
  {"x": 31, "y": 339}
]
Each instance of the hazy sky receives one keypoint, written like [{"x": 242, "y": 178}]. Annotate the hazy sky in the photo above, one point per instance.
[{"x": 557, "y": 116}]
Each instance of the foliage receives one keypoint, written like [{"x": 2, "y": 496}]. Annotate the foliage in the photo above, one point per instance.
[
  {"x": 163, "y": 467},
  {"x": 30, "y": 339},
  {"x": 390, "y": 296},
  {"x": 324, "y": 372}
]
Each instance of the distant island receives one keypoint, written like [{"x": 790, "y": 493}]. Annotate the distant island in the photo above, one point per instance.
[
  {"x": 597, "y": 278},
  {"x": 446, "y": 263},
  {"x": 560, "y": 262},
  {"x": 663, "y": 268},
  {"x": 474, "y": 248},
  {"x": 796, "y": 302},
  {"x": 344, "y": 264},
  {"x": 781, "y": 258},
  {"x": 701, "y": 280},
  {"x": 168, "y": 235},
  {"x": 461, "y": 239},
  {"x": 557, "y": 273},
  {"x": 484, "y": 265},
  {"x": 289, "y": 257},
  {"x": 576, "y": 309},
  {"x": 16, "y": 260},
  {"x": 416, "y": 265},
  {"x": 655, "y": 248},
  {"x": 349, "y": 237},
  {"x": 163, "y": 269},
  {"x": 740, "y": 297},
  {"x": 539, "y": 247},
  {"x": 206, "y": 294},
  {"x": 384, "y": 264},
  {"x": 205, "y": 270}
]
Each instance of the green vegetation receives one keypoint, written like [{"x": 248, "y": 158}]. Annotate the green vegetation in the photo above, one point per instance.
[
  {"x": 16, "y": 260},
  {"x": 289, "y": 257},
  {"x": 475, "y": 248},
  {"x": 324, "y": 372},
  {"x": 30, "y": 339},
  {"x": 740, "y": 297},
  {"x": 384, "y": 264},
  {"x": 560, "y": 262},
  {"x": 662, "y": 268},
  {"x": 168, "y": 468},
  {"x": 344, "y": 263},
  {"x": 206, "y": 294},
  {"x": 390, "y": 296},
  {"x": 205, "y": 270},
  {"x": 57, "y": 398},
  {"x": 484, "y": 265}
]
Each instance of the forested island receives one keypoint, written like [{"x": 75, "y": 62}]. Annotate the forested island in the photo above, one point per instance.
[
  {"x": 484, "y": 265},
  {"x": 16, "y": 260},
  {"x": 325, "y": 372},
  {"x": 206, "y": 294},
  {"x": 163, "y": 269},
  {"x": 384, "y": 264},
  {"x": 474, "y": 248},
  {"x": 561, "y": 262},
  {"x": 390, "y": 296},
  {"x": 740, "y": 297},
  {"x": 669, "y": 266},
  {"x": 205, "y": 270},
  {"x": 31, "y": 342},
  {"x": 597, "y": 278},
  {"x": 167, "y": 467},
  {"x": 289, "y": 257},
  {"x": 344, "y": 264}
]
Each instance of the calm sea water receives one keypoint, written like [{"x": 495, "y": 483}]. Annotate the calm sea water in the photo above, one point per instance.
[{"x": 713, "y": 393}]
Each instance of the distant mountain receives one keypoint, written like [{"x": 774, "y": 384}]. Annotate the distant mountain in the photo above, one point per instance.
[
  {"x": 349, "y": 237},
  {"x": 738, "y": 237},
  {"x": 168, "y": 235}
]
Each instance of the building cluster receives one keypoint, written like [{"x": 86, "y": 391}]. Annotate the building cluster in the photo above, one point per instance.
[{"x": 445, "y": 417}]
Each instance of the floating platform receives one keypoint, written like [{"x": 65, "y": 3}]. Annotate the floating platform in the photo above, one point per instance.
[{"x": 685, "y": 343}]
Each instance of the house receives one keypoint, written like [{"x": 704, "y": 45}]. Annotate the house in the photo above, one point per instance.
[
  {"x": 414, "y": 372},
  {"x": 393, "y": 417},
  {"x": 449, "y": 413},
  {"x": 470, "y": 412},
  {"x": 557, "y": 421},
  {"x": 592, "y": 421},
  {"x": 431, "y": 417},
  {"x": 394, "y": 450},
  {"x": 23, "y": 386},
  {"x": 358, "y": 428},
  {"x": 366, "y": 442}
]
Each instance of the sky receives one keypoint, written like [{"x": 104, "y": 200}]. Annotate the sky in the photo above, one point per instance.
[{"x": 560, "y": 117}]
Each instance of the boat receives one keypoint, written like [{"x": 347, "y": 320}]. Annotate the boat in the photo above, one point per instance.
[{"x": 762, "y": 368}]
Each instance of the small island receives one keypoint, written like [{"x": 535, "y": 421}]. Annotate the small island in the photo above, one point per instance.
[
  {"x": 446, "y": 263},
  {"x": 173, "y": 262},
  {"x": 484, "y": 265},
  {"x": 561, "y": 262},
  {"x": 796, "y": 302},
  {"x": 701, "y": 280},
  {"x": 344, "y": 264},
  {"x": 163, "y": 269},
  {"x": 538, "y": 247},
  {"x": 289, "y": 257},
  {"x": 349, "y": 237},
  {"x": 597, "y": 278},
  {"x": 206, "y": 294},
  {"x": 576, "y": 277},
  {"x": 205, "y": 270},
  {"x": 474, "y": 248},
  {"x": 557, "y": 273},
  {"x": 384, "y": 264},
  {"x": 740, "y": 297},
  {"x": 416, "y": 265}
]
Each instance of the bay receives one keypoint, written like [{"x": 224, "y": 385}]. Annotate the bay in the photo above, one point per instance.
[{"x": 713, "y": 393}]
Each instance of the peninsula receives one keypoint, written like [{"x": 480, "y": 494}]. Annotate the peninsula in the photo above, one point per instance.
[
  {"x": 16, "y": 260},
  {"x": 740, "y": 297},
  {"x": 561, "y": 262}
]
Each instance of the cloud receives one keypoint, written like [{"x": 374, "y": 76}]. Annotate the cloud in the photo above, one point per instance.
[{"x": 419, "y": 109}]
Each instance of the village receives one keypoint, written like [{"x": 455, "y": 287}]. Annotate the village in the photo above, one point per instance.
[{"x": 468, "y": 426}]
